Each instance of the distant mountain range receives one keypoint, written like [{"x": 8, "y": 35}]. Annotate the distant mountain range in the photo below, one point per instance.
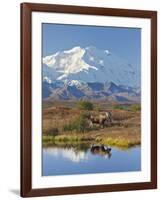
[
  {"x": 74, "y": 90},
  {"x": 89, "y": 73}
]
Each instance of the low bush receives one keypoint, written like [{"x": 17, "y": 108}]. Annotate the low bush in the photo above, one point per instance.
[
  {"x": 85, "y": 105},
  {"x": 135, "y": 107},
  {"x": 79, "y": 125},
  {"x": 68, "y": 127}
]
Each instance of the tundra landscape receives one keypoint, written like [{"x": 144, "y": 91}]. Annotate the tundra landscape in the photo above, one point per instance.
[{"x": 69, "y": 123}]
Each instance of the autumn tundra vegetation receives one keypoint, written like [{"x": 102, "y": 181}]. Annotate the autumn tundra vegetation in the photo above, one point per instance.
[{"x": 81, "y": 122}]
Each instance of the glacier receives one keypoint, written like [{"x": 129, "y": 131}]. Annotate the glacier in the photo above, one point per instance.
[{"x": 89, "y": 64}]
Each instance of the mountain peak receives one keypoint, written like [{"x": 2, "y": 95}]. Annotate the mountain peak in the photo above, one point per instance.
[
  {"x": 73, "y": 50},
  {"x": 89, "y": 64},
  {"x": 90, "y": 47}
]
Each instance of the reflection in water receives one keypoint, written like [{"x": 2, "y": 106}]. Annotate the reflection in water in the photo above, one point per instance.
[
  {"x": 68, "y": 153},
  {"x": 78, "y": 155},
  {"x": 101, "y": 150},
  {"x": 83, "y": 159}
]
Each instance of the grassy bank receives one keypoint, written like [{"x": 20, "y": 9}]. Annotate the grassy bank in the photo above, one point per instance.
[
  {"x": 119, "y": 142},
  {"x": 110, "y": 137},
  {"x": 66, "y": 138}
]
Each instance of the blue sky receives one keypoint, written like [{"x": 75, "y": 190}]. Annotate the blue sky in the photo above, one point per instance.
[{"x": 124, "y": 42}]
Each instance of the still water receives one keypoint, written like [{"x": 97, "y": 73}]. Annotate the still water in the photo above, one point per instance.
[{"x": 70, "y": 160}]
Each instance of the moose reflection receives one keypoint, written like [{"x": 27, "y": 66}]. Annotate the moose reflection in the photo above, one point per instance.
[{"x": 101, "y": 150}]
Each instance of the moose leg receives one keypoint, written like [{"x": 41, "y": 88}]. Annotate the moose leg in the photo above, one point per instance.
[
  {"x": 101, "y": 122},
  {"x": 91, "y": 124},
  {"x": 110, "y": 118},
  {"x": 103, "y": 125},
  {"x": 110, "y": 121},
  {"x": 106, "y": 123}
]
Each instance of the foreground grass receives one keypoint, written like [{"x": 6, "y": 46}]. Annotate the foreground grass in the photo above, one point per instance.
[
  {"x": 66, "y": 138},
  {"x": 112, "y": 138},
  {"x": 120, "y": 142}
]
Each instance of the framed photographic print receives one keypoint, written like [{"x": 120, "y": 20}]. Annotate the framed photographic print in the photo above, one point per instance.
[{"x": 88, "y": 99}]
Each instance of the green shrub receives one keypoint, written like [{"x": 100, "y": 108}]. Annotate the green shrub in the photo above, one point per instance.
[
  {"x": 135, "y": 107},
  {"x": 85, "y": 115},
  {"x": 85, "y": 105},
  {"x": 121, "y": 107},
  {"x": 79, "y": 125},
  {"x": 68, "y": 127}
]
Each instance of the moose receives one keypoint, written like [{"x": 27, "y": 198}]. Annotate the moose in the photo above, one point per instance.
[{"x": 103, "y": 119}]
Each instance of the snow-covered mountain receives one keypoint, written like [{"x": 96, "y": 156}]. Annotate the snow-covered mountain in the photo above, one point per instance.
[
  {"x": 89, "y": 65},
  {"x": 89, "y": 73}
]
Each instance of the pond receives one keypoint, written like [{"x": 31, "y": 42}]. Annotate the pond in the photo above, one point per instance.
[{"x": 70, "y": 160}]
